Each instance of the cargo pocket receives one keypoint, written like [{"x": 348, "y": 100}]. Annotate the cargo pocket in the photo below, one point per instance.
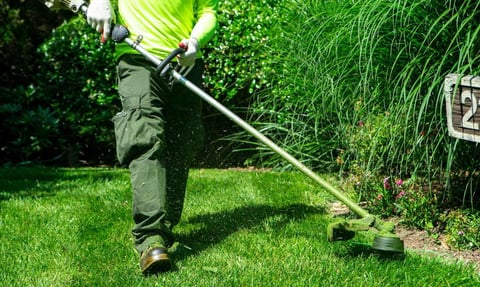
[
  {"x": 121, "y": 132},
  {"x": 138, "y": 132}
]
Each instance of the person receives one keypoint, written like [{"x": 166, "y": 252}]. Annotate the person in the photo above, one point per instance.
[{"x": 159, "y": 129}]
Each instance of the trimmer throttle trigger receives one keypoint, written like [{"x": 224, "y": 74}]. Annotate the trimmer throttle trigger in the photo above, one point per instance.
[{"x": 183, "y": 45}]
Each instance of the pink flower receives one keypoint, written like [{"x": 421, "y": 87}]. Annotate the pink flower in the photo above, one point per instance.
[
  {"x": 400, "y": 195},
  {"x": 386, "y": 183},
  {"x": 399, "y": 182}
]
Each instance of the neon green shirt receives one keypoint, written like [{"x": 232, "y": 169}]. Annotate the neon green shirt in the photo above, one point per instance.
[{"x": 165, "y": 23}]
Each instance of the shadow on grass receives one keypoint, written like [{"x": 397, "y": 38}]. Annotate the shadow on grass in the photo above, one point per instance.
[
  {"x": 36, "y": 182},
  {"x": 218, "y": 226}
]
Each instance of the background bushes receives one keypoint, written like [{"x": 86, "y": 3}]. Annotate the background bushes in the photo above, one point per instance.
[
  {"x": 78, "y": 79},
  {"x": 23, "y": 26},
  {"x": 74, "y": 83},
  {"x": 239, "y": 64},
  {"x": 63, "y": 117},
  {"x": 239, "y": 58},
  {"x": 28, "y": 125}
]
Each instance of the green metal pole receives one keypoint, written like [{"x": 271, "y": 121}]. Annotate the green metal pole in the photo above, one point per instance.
[{"x": 251, "y": 130}]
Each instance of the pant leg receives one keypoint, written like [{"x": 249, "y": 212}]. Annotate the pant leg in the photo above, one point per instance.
[
  {"x": 140, "y": 137},
  {"x": 184, "y": 137},
  {"x": 158, "y": 165}
]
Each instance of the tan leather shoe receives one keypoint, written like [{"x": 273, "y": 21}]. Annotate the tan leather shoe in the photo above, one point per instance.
[{"x": 155, "y": 259}]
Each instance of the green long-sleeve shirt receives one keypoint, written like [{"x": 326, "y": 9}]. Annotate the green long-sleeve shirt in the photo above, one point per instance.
[{"x": 164, "y": 23}]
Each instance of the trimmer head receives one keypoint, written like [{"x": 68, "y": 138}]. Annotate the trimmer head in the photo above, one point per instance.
[
  {"x": 337, "y": 232},
  {"x": 388, "y": 243},
  {"x": 385, "y": 240}
]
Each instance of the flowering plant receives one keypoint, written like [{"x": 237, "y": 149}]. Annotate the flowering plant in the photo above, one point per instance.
[{"x": 389, "y": 197}]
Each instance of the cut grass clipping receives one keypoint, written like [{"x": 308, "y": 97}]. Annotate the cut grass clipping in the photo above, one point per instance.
[{"x": 71, "y": 227}]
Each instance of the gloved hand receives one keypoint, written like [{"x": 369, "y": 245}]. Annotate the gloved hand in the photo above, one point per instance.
[
  {"x": 100, "y": 15},
  {"x": 188, "y": 58}
]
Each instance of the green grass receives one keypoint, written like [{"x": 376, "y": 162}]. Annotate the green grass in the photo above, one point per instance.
[{"x": 71, "y": 227}]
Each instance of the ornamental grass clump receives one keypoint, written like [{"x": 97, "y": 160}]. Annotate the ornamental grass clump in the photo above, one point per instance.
[{"x": 360, "y": 90}]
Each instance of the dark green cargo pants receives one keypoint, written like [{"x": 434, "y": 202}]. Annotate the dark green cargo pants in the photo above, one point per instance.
[{"x": 157, "y": 134}]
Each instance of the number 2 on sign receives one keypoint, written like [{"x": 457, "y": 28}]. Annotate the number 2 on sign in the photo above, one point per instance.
[{"x": 468, "y": 95}]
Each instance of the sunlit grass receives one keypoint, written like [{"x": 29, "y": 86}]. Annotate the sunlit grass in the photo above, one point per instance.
[{"x": 71, "y": 227}]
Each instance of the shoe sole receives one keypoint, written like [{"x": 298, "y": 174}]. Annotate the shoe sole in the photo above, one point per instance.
[{"x": 157, "y": 263}]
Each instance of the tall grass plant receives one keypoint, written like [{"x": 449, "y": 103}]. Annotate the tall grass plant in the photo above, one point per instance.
[{"x": 359, "y": 86}]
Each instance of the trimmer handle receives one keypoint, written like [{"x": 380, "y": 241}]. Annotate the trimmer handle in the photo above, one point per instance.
[
  {"x": 163, "y": 68},
  {"x": 120, "y": 34}
]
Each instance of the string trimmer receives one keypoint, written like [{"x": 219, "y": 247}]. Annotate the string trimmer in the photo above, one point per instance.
[{"x": 385, "y": 240}]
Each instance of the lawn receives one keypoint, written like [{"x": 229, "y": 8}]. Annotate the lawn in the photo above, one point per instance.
[{"x": 71, "y": 227}]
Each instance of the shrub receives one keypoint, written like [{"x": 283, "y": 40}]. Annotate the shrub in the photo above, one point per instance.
[
  {"x": 53, "y": 104},
  {"x": 462, "y": 228},
  {"x": 239, "y": 57},
  {"x": 239, "y": 64},
  {"x": 23, "y": 26},
  {"x": 77, "y": 80},
  {"x": 28, "y": 129}
]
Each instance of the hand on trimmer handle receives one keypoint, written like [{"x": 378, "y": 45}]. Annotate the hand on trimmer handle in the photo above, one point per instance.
[
  {"x": 191, "y": 47},
  {"x": 100, "y": 15},
  {"x": 163, "y": 68}
]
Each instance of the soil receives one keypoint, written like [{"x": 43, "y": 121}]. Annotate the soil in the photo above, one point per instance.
[{"x": 420, "y": 242}]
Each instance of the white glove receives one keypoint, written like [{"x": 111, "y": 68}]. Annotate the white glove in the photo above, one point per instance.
[
  {"x": 100, "y": 15},
  {"x": 188, "y": 58}
]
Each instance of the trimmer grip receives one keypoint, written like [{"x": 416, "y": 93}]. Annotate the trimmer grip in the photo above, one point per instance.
[
  {"x": 161, "y": 67},
  {"x": 183, "y": 45},
  {"x": 119, "y": 33}
]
